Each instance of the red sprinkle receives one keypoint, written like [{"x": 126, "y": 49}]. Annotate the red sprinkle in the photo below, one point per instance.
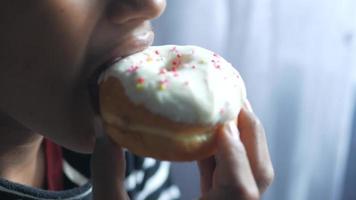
[{"x": 140, "y": 80}]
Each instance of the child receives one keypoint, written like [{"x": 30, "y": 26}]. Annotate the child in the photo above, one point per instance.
[{"x": 49, "y": 51}]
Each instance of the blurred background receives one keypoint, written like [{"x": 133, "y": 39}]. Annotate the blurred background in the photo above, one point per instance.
[{"x": 298, "y": 59}]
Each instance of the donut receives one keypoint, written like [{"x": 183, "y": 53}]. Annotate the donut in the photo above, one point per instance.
[{"x": 167, "y": 102}]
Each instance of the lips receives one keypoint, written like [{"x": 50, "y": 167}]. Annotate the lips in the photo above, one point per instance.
[{"x": 133, "y": 43}]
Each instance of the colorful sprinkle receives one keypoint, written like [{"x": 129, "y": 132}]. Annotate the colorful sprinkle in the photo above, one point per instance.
[
  {"x": 162, "y": 71},
  {"x": 149, "y": 59},
  {"x": 140, "y": 83},
  {"x": 163, "y": 84},
  {"x": 157, "y": 52},
  {"x": 132, "y": 69},
  {"x": 202, "y": 62}
]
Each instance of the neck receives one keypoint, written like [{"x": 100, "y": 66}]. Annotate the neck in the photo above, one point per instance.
[{"x": 21, "y": 153}]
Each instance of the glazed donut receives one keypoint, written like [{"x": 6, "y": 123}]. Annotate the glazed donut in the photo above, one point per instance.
[{"x": 167, "y": 102}]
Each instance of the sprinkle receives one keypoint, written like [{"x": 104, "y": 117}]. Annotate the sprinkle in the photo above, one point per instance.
[
  {"x": 139, "y": 86},
  {"x": 140, "y": 80},
  {"x": 140, "y": 83},
  {"x": 149, "y": 59},
  {"x": 217, "y": 66},
  {"x": 174, "y": 49},
  {"x": 186, "y": 83},
  {"x": 174, "y": 62},
  {"x": 202, "y": 62},
  {"x": 157, "y": 52},
  {"x": 178, "y": 55},
  {"x": 216, "y": 55},
  {"x": 162, "y": 71},
  {"x": 174, "y": 68},
  {"x": 175, "y": 74},
  {"x": 132, "y": 69},
  {"x": 163, "y": 84},
  {"x": 194, "y": 66}
]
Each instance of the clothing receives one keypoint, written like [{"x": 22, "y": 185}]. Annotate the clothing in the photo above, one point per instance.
[{"x": 67, "y": 175}]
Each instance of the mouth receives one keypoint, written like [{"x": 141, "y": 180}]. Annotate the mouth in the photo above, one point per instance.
[{"x": 134, "y": 43}]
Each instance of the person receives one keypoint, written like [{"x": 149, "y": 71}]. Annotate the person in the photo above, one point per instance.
[{"x": 49, "y": 52}]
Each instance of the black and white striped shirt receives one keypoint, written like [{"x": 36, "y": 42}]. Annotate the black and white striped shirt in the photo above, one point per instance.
[{"x": 146, "y": 179}]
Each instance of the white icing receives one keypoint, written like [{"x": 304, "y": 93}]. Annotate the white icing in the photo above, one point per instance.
[{"x": 184, "y": 83}]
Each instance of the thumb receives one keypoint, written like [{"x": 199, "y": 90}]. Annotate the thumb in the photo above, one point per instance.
[{"x": 108, "y": 170}]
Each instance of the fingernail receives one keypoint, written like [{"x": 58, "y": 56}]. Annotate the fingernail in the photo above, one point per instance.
[{"x": 248, "y": 106}]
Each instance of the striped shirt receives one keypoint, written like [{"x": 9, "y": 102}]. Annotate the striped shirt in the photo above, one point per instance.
[{"x": 146, "y": 179}]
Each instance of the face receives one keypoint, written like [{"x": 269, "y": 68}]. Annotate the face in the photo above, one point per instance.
[{"x": 50, "y": 50}]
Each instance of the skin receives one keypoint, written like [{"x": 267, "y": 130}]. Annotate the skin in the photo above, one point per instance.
[{"x": 49, "y": 52}]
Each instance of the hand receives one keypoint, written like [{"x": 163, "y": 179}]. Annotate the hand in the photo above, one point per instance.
[
  {"x": 107, "y": 168},
  {"x": 241, "y": 168}
]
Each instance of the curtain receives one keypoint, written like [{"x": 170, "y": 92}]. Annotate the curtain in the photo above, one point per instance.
[{"x": 298, "y": 59}]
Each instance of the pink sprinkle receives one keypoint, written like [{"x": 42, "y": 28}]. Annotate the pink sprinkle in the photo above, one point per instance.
[
  {"x": 217, "y": 66},
  {"x": 162, "y": 71},
  {"x": 174, "y": 49},
  {"x": 132, "y": 69},
  {"x": 174, "y": 68},
  {"x": 165, "y": 81}
]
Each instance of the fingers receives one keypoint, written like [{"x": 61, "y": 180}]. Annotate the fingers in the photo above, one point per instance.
[
  {"x": 253, "y": 137},
  {"x": 233, "y": 172},
  {"x": 108, "y": 171}
]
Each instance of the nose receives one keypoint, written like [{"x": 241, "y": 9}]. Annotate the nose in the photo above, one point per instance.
[{"x": 122, "y": 11}]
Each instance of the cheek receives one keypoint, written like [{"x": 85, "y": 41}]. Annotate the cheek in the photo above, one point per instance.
[{"x": 42, "y": 81}]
